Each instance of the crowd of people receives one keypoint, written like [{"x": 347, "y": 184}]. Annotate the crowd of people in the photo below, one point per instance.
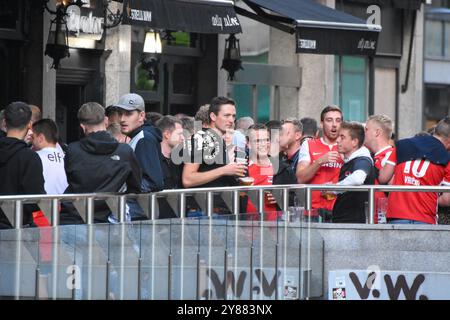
[{"x": 125, "y": 149}]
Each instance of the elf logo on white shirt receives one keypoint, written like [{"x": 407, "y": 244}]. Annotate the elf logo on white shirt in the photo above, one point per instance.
[{"x": 55, "y": 157}]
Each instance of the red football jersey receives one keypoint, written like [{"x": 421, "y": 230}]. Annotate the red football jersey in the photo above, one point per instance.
[
  {"x": 380, "y": 159},
  {"x": 263, "y": 176},
  {"x": 312, "y": 150},
  {"x": 419, "y": 206}
]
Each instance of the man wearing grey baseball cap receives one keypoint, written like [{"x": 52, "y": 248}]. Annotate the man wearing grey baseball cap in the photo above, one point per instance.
[{"x": 145, "y": 141}]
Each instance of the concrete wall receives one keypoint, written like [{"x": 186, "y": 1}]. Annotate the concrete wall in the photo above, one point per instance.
[
  {"x": 411, "y": 102},
  {"x": 402, "y": 248},
  {"x": 282, "y": 53},
  {"x": 385, "y": 92},
  {"x": 118, "y": 64},
  {"x": 317, "y": 76}
]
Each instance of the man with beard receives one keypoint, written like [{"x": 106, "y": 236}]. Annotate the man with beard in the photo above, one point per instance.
[
  {"x": 319, "y": 161},
  {"x": 290, "y": 136},
  {"x": 172, "y": 141}
]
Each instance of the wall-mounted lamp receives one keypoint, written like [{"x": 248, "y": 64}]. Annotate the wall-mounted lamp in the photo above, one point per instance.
[
  {"x": 57, "y": 46},
  {"x": 232, "y": 57},
  {"x": 152, "y": 43}
]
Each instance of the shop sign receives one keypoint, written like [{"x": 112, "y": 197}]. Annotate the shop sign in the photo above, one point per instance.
[
  {"x": 221, "y": 22},
  {"x": 84, "y": 25}
]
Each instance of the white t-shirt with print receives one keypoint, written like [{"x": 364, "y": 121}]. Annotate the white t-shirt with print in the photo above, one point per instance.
[{"x": 53, "y": 170}]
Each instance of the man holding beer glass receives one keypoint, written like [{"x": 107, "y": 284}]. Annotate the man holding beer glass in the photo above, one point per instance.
[{"x": 319, "y": 161}]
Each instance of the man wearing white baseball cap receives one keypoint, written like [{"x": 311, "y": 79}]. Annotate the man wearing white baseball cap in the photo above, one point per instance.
[{"x": 145, "y": 141}]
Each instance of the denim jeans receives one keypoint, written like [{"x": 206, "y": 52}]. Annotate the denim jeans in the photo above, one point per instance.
[{"x": 404, "y": 221}]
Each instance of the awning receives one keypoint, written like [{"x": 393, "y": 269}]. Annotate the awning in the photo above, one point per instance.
[
  {"x": 319, "y": 29},
  {"x": 199, "y": 16}
]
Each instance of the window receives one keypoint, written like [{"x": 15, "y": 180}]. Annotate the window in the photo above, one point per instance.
[
  {"x": 446, "y": 40},
  {"x": 350, "y": 87},
  {"x": 437, "y": 39},
  {"x": 436, "y": 102},
  {"x": 180, "y": 39},
  {"x": 434, "y": 38}
]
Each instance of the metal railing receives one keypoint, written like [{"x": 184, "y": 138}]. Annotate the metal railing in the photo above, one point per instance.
[
  {"x": 183, "y": 256},
  {"x": 12, "y": 206}
]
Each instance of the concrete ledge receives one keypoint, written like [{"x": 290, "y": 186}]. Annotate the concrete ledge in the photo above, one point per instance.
[{"x": 358, "y": 226}]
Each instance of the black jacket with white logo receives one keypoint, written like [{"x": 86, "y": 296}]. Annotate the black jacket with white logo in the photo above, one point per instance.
[{"x": 98, "y": 163}]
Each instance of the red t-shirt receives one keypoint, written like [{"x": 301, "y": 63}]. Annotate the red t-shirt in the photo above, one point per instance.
[
  {"x": 312, "y": 150},
  {"x": 45, "y": 240},
  {"x": 263, "y": 176},
  {"x": 418, "y": 206},
  {"x": 380, "y": 160}
]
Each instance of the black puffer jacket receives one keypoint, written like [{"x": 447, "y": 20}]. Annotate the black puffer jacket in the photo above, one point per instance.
[
  {"x": 98, "y": 163},
  {"x": 20, "y": 173}
]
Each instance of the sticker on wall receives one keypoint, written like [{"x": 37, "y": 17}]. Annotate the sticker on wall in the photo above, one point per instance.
[
  {"x": 290, "y": 289},
  {"x": 339, "y": 294}
]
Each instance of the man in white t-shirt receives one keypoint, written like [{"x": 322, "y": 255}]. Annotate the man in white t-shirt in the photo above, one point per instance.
[{"x": 45, "y": 138}]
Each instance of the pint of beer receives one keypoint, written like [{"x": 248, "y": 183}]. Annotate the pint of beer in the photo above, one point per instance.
[
  {"x": 246, "y": 181},
  {"x": 329, "y": 196}
]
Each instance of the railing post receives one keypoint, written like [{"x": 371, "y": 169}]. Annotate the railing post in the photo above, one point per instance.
[
  {"x": 18, "y": 214},
  {"x": 55, "y": 212},
  {"x": 90, "y": 210},
  {"x": 371, "y": 205},
  {"x": 236, "y": 199},
  {"x": 261, "y": 201},
  {"x": 153, "y": 206},
  {"x": 122, "y": 208},
  {"x": 308, "y": 198},
  {"x": 285, "y": 199},
  {"x": 209, "y": 204},
  {"x": 183, "y": 205}
]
